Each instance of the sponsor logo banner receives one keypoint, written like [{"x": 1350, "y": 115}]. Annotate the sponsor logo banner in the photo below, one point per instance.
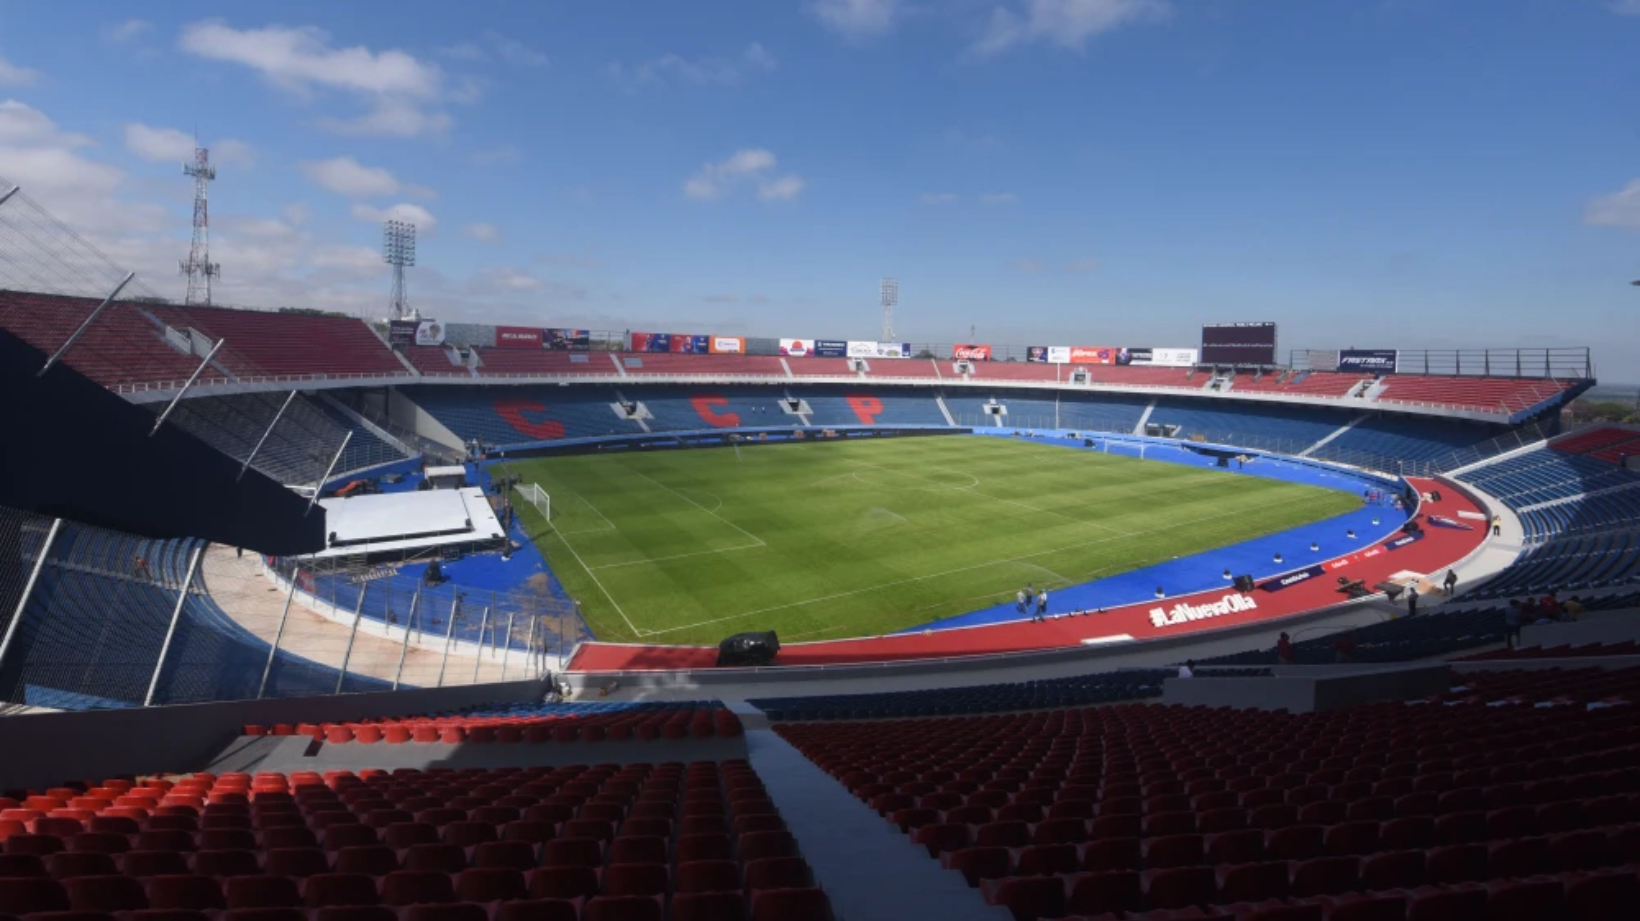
[
  {"x": 1441, "y": 521},
  {"x": 797, "y": 348},
  {"x": 831, "y": 348},
  {"x": 963, "y": 352},
  {"x": 1184, "y": 613},
  {"x": 728, "y": 345},
  {"x": 1059, "y": 354},
  {"x": 567, "y": 340},
  {"x": 1172, "y": 358},
  {"x": 429, "y": 332},
  {"x": 517, "y": 337},
  {"x": 1036, "y": 353},
  {"x": 857, "y": 349},
  {"x": 1290, "y": 579},
  {"x": 685, "y": 343},
  {"x": 1381, "y": 361},
  {"x": 1092, "y": 355},
  {"x": 401, "y": 333},
  {"x": 1404, "y": 541}
]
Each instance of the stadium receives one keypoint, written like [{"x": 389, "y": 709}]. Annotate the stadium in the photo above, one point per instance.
[{"x": 388, "y": 610}]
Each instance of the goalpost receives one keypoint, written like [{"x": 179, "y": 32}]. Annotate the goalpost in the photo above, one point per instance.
[{"x": 537, "y": 497}]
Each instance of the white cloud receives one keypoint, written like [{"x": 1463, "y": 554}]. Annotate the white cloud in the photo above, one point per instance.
[
  {"x": 706, "y": 71},
  {"x": 129, "y": 30},
  {"x": 1082, "y": 265},
  {"x": 395, "y": 85},
  {"x": 495, "y": 45},
  {"x": 170, "y": 145},
  {"x": 46, "y": 162},
  {"x": 755, "y": 166},
  {"x": 999, "y": 198},
  {"x": 392, "y": 118},
  {"x": 781, "y": 189},
  {"x": 1619, "y": 209},
  {"x": 506, "y": 279},
  {"x": 857, "y": 20},
  {"x": 1066, "y": 23},
  {"x": 404, "y": 211},
  {"x": 1030, "y": 265},
  {"x": 348, "y": 177},
  {"x": 13, "y": 75},
  {"x": 937, "y": 198},
  {"x": 488, "y": 233},
  {"x": 1625, "y": 7},
  {"x": 295, "y": 213}
]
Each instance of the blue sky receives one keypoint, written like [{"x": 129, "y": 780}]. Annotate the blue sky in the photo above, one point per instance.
[{"x": 1400, "y": 173}]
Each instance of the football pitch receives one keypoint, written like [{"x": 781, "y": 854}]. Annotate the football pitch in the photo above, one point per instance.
[{"x": 825, "y": 540}]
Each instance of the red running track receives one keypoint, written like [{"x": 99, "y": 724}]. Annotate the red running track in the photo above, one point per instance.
[{"x": 1430, "y": 555}]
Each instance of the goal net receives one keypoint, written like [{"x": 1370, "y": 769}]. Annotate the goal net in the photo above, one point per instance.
[{"x": 537, "y": 497}]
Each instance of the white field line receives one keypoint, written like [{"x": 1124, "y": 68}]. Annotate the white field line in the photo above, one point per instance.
[
  {"x": 678, "y": 556},
  {"x": 948, "y": 572},
  {"x": 598, "y": 582},
  {"x": 610, "y": 525},
  {"x": 760, "y": 541}
]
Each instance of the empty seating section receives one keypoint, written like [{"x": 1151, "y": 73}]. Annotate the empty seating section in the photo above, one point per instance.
[
  {"x": 125, "y": 346},
  {"x": 1289, "y": 429},
  {"x": 1593, "y": 441},
  {"x": 1075, "y": 691},
  {"x": 1490, "y": 394},
  {"x": 267, "y": 343},
  {"x": 1302, "y": 383},
  {"x": 605, "y": 843},
  {"x": 1567, "y": 651},
  {"x": 1451, "y": 441},
  {"x": 820, "y": 367},
  {"x": 521, "y": 414},
  {"x": 1403, "y": 640},
  {"x": 1569, "y": 564},
  {"x": 1543, "y": 476},
  {"x": 94, "y": 626},
  {"x": 436, "y": 361},
  {"x": 870, "y": 406},
  {"x": 513, "y": 362},
  {"x": 1514, "y": 795},
  {"x": 907, "y": 368},
  {"x": 711, "y": 406},
  {"x": 1015, "y": 371},
  {"x": 642, "y": 364},
  {"x": 535, "y": 723},
  {"x": 365, "y": 448},
  {"x": 1134, "y": 376}
]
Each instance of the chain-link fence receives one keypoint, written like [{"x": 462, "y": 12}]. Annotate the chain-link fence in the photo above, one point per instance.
[{"x": 112, "y": 620}]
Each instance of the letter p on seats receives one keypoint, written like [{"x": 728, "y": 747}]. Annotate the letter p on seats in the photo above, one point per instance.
[{"x": 866, "y": 409}]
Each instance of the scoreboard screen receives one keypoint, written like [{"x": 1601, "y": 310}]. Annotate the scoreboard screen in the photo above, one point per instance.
[{"x": 1239, "y": 344}]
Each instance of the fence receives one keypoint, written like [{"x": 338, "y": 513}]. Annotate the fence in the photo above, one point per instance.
[{"x": 91, "y": 618}]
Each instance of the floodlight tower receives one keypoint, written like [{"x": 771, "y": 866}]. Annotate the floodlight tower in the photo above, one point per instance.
[
  {"x": 889, "y": 289},
  {"x": 198, "y": 266},
  {"x": 399, "y": 251}
]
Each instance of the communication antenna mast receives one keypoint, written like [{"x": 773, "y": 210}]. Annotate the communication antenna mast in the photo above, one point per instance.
[
  {"x": 399, "y": 251},
  {"x": 889, "y": 288},
  {"x": 198, "y": 266}
]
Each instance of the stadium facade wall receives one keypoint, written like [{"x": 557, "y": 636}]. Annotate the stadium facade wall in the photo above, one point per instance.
[
  {"x": 46, "y": 749},
  {"x": 1311, "y": 688}
]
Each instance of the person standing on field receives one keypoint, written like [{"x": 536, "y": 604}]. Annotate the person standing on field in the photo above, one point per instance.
[
  {"x": 1042, "y": 605},
  {"x": 1019, "y": 602}
]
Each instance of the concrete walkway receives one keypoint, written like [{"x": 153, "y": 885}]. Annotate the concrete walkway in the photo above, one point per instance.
[{"x": 869, "y": 869}]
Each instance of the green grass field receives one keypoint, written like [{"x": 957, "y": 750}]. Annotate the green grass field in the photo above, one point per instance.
[{"x": 825, "y": 540}]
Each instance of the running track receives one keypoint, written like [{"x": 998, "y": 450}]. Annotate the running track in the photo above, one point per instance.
[{"x": 1430, "y": 555}]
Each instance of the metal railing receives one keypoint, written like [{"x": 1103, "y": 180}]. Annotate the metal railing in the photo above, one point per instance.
[{"x": 91, "y": 618}]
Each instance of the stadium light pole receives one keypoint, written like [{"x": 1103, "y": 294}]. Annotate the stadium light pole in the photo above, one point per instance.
[{"x": 399, "y": 251}]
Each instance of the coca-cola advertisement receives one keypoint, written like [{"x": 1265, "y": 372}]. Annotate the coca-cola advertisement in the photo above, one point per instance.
[
  {"x": 517, "y": 337},
  {"x": 969, "y": 352}
]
